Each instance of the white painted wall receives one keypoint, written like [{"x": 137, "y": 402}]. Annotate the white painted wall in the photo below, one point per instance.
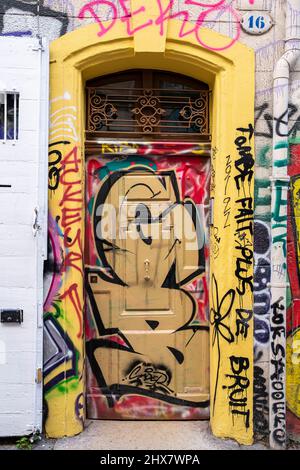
[{"x": 23, "y": 165}]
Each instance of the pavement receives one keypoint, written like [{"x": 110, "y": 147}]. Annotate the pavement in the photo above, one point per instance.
[{"x": 139, "y": 435}]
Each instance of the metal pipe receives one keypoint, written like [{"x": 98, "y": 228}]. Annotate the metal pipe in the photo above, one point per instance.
[{"x": 279, "y": 200}]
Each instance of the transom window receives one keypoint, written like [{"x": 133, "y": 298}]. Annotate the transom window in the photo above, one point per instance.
[{"x": 149, "y": 104}]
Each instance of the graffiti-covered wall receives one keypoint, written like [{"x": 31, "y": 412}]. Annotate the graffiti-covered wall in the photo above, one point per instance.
[{"x": 64, "y": 297}]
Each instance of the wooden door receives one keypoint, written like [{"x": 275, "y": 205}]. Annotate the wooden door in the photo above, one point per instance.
[{"x": 146, "y": 267}]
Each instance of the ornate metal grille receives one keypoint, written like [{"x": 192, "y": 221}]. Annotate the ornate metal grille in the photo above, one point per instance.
[{"x": 163, "y": 113}]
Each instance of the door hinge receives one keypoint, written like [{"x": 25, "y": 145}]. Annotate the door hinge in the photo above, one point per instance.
[
  {"x": 36, "y": 226},
  {"x": 39, "y": 375},
  {"x": 40, "y": 47}
]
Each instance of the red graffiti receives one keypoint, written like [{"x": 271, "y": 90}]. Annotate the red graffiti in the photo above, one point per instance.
[
  {"x": 73, "y": 295},
  {"x": 69, "y": 195},
  {"x": 213, "y": 12},
  {"x": 70, "y": 260},
  {"x": 293, "y": 316},
  {"x": 70, "y": 159},
  {"x": 69, "y": 242},
  {"x": 70, "y": 216},
  {"x": 71, "y": 204},
  {"x": 293, "y": 311}
]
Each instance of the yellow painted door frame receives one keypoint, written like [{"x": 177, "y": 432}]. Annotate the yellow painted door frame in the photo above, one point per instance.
[{"x": 82, "y": 55}]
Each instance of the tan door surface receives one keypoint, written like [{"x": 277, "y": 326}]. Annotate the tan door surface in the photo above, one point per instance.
[{"x": 146, "y": 267}]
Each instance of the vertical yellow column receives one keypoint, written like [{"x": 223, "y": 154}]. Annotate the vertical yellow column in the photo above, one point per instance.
[
  {"x": 231, "y": 286},
  {"x": 64, "y": 330}
]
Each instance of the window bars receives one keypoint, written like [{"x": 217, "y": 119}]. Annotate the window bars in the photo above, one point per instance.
[
  {"x": 9, "y": 116},
  {"x": 151, "y": 112}
]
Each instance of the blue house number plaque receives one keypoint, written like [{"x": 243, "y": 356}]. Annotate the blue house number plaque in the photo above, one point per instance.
[{"x": 256, "y": 22}]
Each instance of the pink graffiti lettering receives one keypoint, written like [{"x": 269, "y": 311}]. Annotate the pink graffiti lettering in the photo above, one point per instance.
[
  {"x": 204, "y": 4},
  {"x": 165, "y": 13},
  {"x": 127, "y": 17},
  {"x": 204, "y": 17},
  {"x": 89, "y": 8},
  {"x": 164, "y": 16}
]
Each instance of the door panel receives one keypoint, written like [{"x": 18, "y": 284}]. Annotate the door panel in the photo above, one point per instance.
[
  {"x": 24, "y": 71},
  {"x": 146, "y": 268}
]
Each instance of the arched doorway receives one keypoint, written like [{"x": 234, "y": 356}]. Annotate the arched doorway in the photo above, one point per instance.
[
  {"x": 81, "y": 56},
  {"x": 146, "y": 246}
]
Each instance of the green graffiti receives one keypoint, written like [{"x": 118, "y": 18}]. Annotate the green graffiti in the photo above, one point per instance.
[
  {"x": 294, "y": 140},
  {"x": 263, "y": 157},
  {"x": 288, "y": 294},
  {"x": 281, "y": 163},
  {"x": 123, "y": 164},
  {"x": 262, "y": 201},
  {"x": 58, "y": 311},
  {"x": 69, "y": 383},
  {"x": 279, "y": 202},
  {"x": 65, "y": 386},
  {"x": 281, "y": 145},
  {"x": 90, "y": 205}
]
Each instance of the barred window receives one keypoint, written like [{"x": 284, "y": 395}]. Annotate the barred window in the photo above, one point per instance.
[
  {"x": 9, "y": 116},
  {"x": 147, "y": 103}
]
